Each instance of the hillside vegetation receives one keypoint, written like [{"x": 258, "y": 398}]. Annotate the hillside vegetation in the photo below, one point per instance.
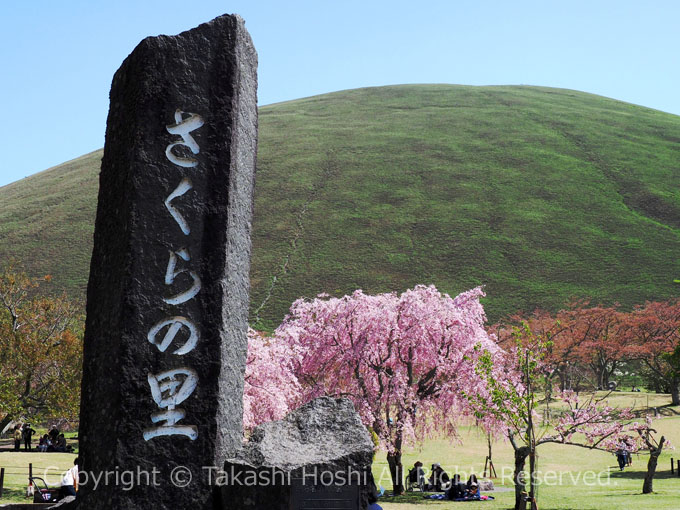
[{"x": 540, "y": 194}]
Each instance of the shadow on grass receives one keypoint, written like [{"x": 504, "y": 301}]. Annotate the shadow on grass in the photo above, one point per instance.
[
  {"x": 669, "y": 410},
  {"x": 413, "y": 498},
  {"x": 14, "y": 495},
  {"x": 636, "y": 494},
  {"x": 664, "y": 410},
  {"x": 640, "y": 475},
  {"x": 640, "y": 498}
]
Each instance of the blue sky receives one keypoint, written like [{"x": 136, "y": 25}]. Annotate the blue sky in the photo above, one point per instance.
[{"x": 59, "y": 57}]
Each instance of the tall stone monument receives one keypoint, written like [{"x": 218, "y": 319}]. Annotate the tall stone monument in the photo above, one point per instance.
[{"x": 167, "y": 301}]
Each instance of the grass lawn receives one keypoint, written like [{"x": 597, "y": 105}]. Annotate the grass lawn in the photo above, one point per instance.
[
  {"x": 48, "y": 466},
  {"x": 573, "y": 478}
]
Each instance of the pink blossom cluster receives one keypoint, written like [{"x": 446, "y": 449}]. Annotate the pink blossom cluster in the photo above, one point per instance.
[
  {"x": 271, "y": 388},
  {"x": 595, "y": 425},
  {"x": 405, "y": 360}
]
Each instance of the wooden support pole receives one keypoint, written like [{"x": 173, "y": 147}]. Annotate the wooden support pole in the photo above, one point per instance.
[
  {"x": 672, "y": 466},
  {"x": 2, "y": 480},
  {"x": 30, "y": 472},
  {"x": 523, "y": 501},
  {"x": 678, "y": 470}
]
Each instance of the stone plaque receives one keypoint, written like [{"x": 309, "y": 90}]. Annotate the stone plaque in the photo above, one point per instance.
[
  {"x": 167, "y": 302},
  {"x": 324, "y": 497},
  {"x": 318, "y": 457}
]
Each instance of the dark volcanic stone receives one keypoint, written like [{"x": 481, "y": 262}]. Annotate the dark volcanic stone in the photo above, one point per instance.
[
  {"x": 319, "y": 452},
  {"x": 174, "y": 213},
  {"x": 68, "y": 500}
]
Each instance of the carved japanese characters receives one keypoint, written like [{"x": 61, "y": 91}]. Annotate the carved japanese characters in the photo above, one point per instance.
[{"x": 167, "y": 311}]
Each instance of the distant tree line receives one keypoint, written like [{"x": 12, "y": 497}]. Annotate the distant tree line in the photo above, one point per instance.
[{"x": 590, "y": 345}]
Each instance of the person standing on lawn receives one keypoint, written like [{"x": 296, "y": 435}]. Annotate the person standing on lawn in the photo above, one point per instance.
[
  {"x": 17, "y": 437},
  {"x": 27, "y": 435},
  {"x": 621, "y": 457}
]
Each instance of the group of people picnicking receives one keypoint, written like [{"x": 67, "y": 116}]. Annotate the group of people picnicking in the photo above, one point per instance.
[
  {"x": 440, "y": 482},
  {"x": 53, "y": 441}
]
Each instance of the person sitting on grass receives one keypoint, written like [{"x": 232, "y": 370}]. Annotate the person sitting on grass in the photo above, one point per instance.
[
  {"x": 44, "y": 443},
  {"x": 69, "y": 482},
  {"x": 457, "y": 488},
  {"x": 54, "y": 434},
  {"x": 61, "y": 444},
  {"x": 416, "y": 476},
  {"x": 459, "y": 491},
  {"x": 438, "y": 478},
  {"x": 472, "y": 492},
  {"x": 373, "y": 502},
  {"x": 472, "y": 481}
]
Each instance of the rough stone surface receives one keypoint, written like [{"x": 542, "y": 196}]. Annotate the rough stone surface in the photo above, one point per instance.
[
  {"x": 164, "y": 203},
  {"x": 319, "y": 451},
  {"x": 68, "y": 500},
  {"x": 486, "y": 485},
  {"x": 26, "y": 506}
]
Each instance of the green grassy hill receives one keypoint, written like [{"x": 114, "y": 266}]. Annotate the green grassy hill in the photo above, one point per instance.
[{"x": 540, "y": 194}]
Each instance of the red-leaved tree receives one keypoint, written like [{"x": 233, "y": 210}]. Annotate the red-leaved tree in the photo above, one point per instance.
[
  {"x": 404, "y": 360},
  {"x": 585, "y": 343},
  {"x": 653, "y": 335},
  {"x": 594, "y": 335}
]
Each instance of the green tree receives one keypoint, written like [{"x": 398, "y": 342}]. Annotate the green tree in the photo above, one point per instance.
[
  {"x": 40, "y": 350},
  {"x": 512, "y": 400}
]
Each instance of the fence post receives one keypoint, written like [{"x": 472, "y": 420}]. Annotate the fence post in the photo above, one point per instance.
[
  {"x": 30, "y": 472},
  {"x": 672, "y": 465},
  {"x": 678, "y": 470},
  {"x": 2, "y": 480}
]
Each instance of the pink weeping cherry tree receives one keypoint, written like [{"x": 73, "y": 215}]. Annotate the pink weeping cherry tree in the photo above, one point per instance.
[
  {"x": 404, "y": 360},
  {"x": 271, "y": 388}
]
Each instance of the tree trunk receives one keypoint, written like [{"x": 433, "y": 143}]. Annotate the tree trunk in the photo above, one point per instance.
[
  {"x": 532, "y": 478},
  {"x": 651, "y": 466},
  {"x": 521, "y": 455},
  {"x": 4, "y": 422},
  {"x": 548, "y": 395},
  {"x": 488, "y": 440},
  {"x": 563, "y": 380},
  {"x": 396, "y": 472},
  {"x": 602, "y": 379},
  {"x": 675, "y": 392}
]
